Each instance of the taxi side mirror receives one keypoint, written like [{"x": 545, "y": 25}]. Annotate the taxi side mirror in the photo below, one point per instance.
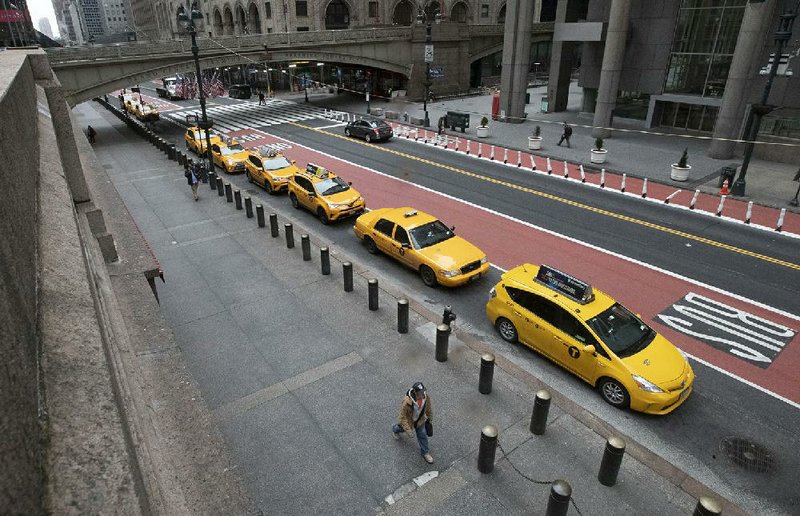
[
  {"x": 312, "y": 194},
  {"x": 590, "y": 349},
  {"x": 350, "y": 183},
  {"x": 452, "y": 228},
  {"x": 294, "y": 161}
]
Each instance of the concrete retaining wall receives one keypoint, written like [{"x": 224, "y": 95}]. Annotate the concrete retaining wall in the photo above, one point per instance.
[{"x": 20, "y": 452}]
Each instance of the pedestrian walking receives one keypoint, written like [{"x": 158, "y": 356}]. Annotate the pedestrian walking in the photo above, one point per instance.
[
  {"x": 441, "y": 124},
  {"x": 566, "y": 134},
  {"x": 194, "y": 181},
  {"x": 416, "y": 417},
  {"x": 261, "y": 101},
  {"x": 91, "y": 134}
]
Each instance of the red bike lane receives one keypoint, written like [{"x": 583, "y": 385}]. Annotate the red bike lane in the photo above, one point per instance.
[{"x": 741, "y": 337}]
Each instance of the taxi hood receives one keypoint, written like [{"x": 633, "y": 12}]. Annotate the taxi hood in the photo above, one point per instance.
[
  {"x": 346, "y": 197},
  {"x": 660, "y": 362},
  {"x": 453, "y": 253}
]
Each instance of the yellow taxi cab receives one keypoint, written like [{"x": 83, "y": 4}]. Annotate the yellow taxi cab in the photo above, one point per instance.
[
  {"x": 145, "y": 112},
  {"x": 269, "y": 168},
  {"x": 229, "y": 155},
  {"x": 588, "y": 333},
  {"x": 196, "y": 139},
  {"x": 325, "y": 194},
  {"x": 423, "y": 243}
]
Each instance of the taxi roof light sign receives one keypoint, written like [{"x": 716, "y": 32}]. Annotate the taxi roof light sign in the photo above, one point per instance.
[
  {"x": 565, "y": 284},
  {"x": 317, "y": 170},
  {"x": 410, "y": 213}
]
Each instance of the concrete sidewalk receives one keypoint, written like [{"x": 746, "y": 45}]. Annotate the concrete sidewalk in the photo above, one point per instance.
[
  {"x": 633, "y": 150},
  {"x": 304, "y": 381}
]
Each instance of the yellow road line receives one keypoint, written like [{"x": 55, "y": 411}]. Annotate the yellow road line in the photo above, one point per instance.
[{"x": 562, "y": 200}]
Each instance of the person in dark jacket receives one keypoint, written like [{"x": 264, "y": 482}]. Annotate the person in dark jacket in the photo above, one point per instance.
[
  {"x": 566, "y": 134},
  {"x": 416, "y": 417},
  {"x": 193, "y": 180}
]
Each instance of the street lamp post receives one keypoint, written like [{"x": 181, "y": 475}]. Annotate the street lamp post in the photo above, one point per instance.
[
  {"x": 757, "y": 111},
  {"x": 422, "y": 17},
  {"x": 187, "y": 21}
]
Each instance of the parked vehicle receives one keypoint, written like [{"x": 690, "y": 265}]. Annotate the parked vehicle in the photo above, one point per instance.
[
  {"x": 370, "y": 130},
  {"x": 240, "y": 91}
]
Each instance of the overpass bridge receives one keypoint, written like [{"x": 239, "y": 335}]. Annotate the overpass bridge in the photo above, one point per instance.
[{"x": 90, "y": 71}]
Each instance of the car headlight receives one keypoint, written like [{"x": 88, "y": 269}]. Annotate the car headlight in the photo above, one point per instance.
[
  {"x": 493, "y": 293},
  {"x": 449, "y": 274},
  {"x": 646, "y": 385},
  {"x": 483, "y": 260},
  {"x": 338, "y": 206}
]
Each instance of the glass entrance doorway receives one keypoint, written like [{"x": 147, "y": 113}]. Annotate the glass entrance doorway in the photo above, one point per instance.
[{"x": 691, "y": 117}]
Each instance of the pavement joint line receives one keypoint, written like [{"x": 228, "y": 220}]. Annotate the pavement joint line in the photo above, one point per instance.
[
  {"x": 213, "y": 237},
  {"x": 576, "y": 204},
  {"x": 201, "y": 222},
  {"x": 276, "y": 390},
  {"x": 147, "y": 178}
]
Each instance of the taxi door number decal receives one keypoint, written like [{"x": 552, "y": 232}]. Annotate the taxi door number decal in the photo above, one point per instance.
[
  {"x": 574, "y": 352},
  {"x": 729, "y": 329}
]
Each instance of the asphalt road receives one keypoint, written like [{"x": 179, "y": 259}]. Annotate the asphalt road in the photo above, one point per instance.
[{"x": 720, "y": 407}]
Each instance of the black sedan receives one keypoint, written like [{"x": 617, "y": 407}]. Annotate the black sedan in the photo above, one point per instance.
[{"x": 370, "y": 130}]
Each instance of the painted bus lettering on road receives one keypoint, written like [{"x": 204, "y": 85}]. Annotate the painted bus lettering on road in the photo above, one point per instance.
[{"x": 729, "y": 329}]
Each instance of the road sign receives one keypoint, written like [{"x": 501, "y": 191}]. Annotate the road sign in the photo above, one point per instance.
[
  {"x": 428, "y": 53},
  {"x": 437, "y": 72}
]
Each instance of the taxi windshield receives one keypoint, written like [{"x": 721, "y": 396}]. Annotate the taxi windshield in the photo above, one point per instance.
[
  {"x": 276, "y": 163},
  {"x": 622, "y": 331},
  {"x": 431, "y": 234},
  {"x": 231, "y": 149},
  {"x": 332, "y": 186}
]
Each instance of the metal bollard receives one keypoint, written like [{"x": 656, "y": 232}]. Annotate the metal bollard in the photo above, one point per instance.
[
  {"x": 237, "y": 195},
  {"x": 248, "y": 207},
  {"x": 402, "y": 315},
  {"x": 372, "y": 291},
  {"x": 487, "y": 374},
  {"x": 273, "y": 224},
  {"x": 289, "y": 229},
  {"x": 228, "y": 192},
  {"x": 442, "y": 337},
  {"x": 541, "y": 407},
  {"x": 560, "y": 493},
  {"x": 612, "y": 459},
  {"x": 305, "y": 245},
  {"x": 212, "y": 180},
  {"x": 707, "y": 506},
  {"x": 347, "y": 272},
  {"x": 260, "y": 215},
  {"x": 487, "y": 449},
  {"x": 220, "y": 189},
  {"x": 325, "y": 261}
]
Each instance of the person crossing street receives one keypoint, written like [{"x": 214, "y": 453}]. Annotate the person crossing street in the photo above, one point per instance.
[{"x": 416, "y": 417}]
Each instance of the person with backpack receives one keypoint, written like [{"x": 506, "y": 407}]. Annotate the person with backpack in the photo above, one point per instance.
[
  {"x": 193, "y": 180},
  {"x": 416, "y": 418},
  {"x": 566, "y": 134}
]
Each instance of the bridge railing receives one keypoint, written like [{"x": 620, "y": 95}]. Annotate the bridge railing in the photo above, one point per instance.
[{"x": 253, "y": 41}]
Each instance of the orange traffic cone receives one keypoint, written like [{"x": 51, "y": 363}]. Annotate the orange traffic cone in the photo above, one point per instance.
[{"x": 724, "y": 190}]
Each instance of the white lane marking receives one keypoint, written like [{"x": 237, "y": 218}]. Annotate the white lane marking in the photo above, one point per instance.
[
  {"x": 331, "y": 126},
  {"x": 590, "y": 246}
]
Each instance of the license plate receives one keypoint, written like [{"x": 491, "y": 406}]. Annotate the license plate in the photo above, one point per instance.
[{"x": 475, "y": 277}]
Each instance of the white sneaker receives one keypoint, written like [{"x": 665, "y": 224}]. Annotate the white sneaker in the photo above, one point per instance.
[
  {"x": 395, "y": 435},
  {"x": 428, "y": 458}
]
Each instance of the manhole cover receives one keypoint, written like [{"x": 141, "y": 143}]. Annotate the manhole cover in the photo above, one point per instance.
[{"x": 747, "y": 454}]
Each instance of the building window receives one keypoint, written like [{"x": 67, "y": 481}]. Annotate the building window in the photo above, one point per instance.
[
  {"x": 373, "y": 9},
  {"x": 484, "y": 10},
  {"x": 302, "y": 29},
  {"x": 702, "y": 48},
  {"x": 268, "y": 10},
  {"x": 301, "y": 8},
  {"x": 548, "y": 13}
]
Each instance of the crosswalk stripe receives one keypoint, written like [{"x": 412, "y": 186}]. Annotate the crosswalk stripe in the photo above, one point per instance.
[{"x": 231, "y": 117}]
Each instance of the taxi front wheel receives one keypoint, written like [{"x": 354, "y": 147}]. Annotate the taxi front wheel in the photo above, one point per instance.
[
  {"x": 323, "y": 217},
  {"x": 428, "y": 276},
  {"x": 614, "y": 393},
  {"x": 506, "y": 329},
  {"x": 295, "y": 203}
]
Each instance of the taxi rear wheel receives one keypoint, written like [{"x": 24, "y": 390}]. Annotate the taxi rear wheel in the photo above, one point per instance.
[
  {"x": 371, "y": 247},
  {"x": 428, "y": 276},
  {"x": 295, "y": 203},
  {"x": 323, "y": 217},
  {"x": 614, "y": 393},
  {"x": 506, "y": 329}
]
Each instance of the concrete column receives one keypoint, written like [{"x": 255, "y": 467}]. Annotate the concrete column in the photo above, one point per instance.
[
  {"x": 613, "y": 57},
  {"x": 562, "y": 57},
  {"x": 755, "y": 24},
  {"x": 516, "y": 59}
]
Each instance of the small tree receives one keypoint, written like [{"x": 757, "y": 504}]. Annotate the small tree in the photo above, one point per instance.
[
  {"x": 682, "y": 163},
  {"x": 537, "y": 131},
  {"x": 598, "y": 144},
  {"x": 484, "y": 122}
]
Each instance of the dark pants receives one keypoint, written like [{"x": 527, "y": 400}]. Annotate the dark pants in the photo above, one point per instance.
[{"x": 564, "y": 137}]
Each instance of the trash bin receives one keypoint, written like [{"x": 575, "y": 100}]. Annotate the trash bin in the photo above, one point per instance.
[
  {"x": 728, "y": 172},
  {"x": 545, "y": 105},
  {"x": 456, "y": 119}
]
